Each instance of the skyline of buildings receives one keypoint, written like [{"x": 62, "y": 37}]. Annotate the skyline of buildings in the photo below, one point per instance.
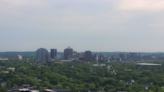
[
  {"x": 70, "y": 55},
  {"x": 87, "y": 56}
]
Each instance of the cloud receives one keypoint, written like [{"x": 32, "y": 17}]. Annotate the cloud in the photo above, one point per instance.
[
  {"x": 18, "y": 3},
  {"x": 142, "y": 5},
  {"x": 65, "y": 22},
  {"x": 156, "y": 25},
  {"x": 99, "y": 27},
  {"x": 14, "y": 7}
]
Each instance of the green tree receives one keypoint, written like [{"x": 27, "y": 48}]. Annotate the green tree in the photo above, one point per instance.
[
  {"x": 9, "y": 83},
  {"x": 142, "y": 80},
  {"x": 46, "y": 84},
  {"x": 45, "y": 79},
  {"x": 3, "y": 89},
  {"x": 92, "y": 85},
  {"x": 59, "y": 86},
  {"x": 152, "y": 88}
]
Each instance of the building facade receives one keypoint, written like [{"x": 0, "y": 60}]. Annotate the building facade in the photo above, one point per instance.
[
  {"x": 19, "y": 57},
  {"x": 88, "y": 56},
  {"x": 67, "y": 53},
  {"x": 41, "y": 54},
  {"x": 53, "y": 53},
  {"x": 101, "y": 58}
]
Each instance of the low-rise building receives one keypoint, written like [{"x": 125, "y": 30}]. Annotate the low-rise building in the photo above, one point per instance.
[
  {"x": 58, "y": 62},
  {"x": 99, "y": 65},
  {"x": 24, "y": 90},
  {"x": 66, "y": 61},
  {"x": 3, "y": 84},
  {"x": 4, "y": 59},
  {"x": 63, "y": 90},
  {"x": 48, "y": 90},
  {"x": 11, "y": 69},
  {"x": 4, "y": 71},
  {"x": 34, "y": 91}
]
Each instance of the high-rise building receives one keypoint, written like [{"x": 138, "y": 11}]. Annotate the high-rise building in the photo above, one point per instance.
[
  {"x": 41, "y": 54},
  {"x": 19, "y": 57},
  {"x": 113, "y": 57},
  {"x": 122, "y": 56},
  {"x": 67, "y": 52},
  {"x": 88, "y": 56},
  {"x": 47, "y": 57},
  {"x": 74, "y": 56},
  {"x": 101, "y": 58},
  {"x": 81, "y": 56},
  {"x": 53, "y": 53}
]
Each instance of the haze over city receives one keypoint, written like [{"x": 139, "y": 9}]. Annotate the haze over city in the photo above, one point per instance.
[{"x": 96, "y": 25}]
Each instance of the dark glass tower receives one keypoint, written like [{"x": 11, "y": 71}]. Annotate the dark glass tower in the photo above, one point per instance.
[{"x": 53, "y": 53}]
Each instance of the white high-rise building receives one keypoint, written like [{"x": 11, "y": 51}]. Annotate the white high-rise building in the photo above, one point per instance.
[
  {"x": 19, "y": 57},
  {"x": 42, "y": 54}
]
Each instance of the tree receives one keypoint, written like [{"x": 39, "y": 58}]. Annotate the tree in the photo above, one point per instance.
[
  {"x": 67, "y": 87},
  {"x": 128, "y": 78},
  {"x": 150, "y": 91},
  {"x": 142, "y": 80},
  {"x": 91, "y": 86},
  {"x": 152, "y": 88},
  {"x": 121, "y": 84},
  {"x": 152, "y": 79},
  {"x": 3, "y": 89},
  {"x": 47, "y": 84},
  {"x": 45, "y": 79},
  {"x": 23, "y": 81},
  {"x": 59, "y": 86},
  {"x": 108, "y": 87},
  {"x": 9, "y": 83}
]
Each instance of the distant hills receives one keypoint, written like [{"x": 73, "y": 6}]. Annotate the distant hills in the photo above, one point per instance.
[{"x": 61, "y": 53}]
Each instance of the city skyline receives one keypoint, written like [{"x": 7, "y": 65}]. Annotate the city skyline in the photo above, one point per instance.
[{"x": 95, "y": 25}]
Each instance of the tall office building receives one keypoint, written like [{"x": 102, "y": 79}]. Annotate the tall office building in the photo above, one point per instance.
[
  {"x": 67, "y": 52},
  {"x": 41, "y": 54},
  {"x": 88, "y": 56},
  {"x": 53, "y": 53}
]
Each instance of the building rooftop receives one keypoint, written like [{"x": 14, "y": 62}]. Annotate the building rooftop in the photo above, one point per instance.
[
  {"x": 34, "y": 91},
  {"x": 66, "y": 60},
  {"x": 49, "y": 90},
  {"x": 11, "y": 68},
  {"x": 4, "y": 58},
  {"x": 63, "y": 90},
  {"x": 147, "y": 64},
  {"x": 24, "y": 89}
]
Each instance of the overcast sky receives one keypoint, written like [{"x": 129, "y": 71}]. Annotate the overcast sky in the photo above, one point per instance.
[{"x": 96, "y": 25}]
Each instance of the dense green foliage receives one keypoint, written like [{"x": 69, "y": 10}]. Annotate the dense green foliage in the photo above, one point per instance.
[{"x": 84, "y": 77}]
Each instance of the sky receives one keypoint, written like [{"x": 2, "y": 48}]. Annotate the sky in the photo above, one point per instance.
[{"x": 96, "y": 25}]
